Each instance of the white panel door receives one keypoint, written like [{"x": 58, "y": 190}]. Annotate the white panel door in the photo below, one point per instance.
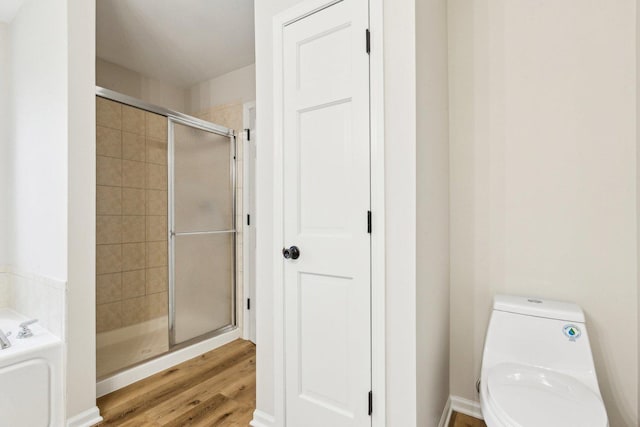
[{"x": 326, "y": 200}]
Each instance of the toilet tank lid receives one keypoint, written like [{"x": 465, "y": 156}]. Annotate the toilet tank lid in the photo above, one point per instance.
[{"x": 539, "y": 307}]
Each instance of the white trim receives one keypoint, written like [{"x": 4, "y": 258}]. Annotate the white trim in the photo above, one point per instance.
[
  {"x": 378, "y": 258},
  {"x": 466, "y": 407},
  {"x": 378, "y": 249},
  {"x": 248, "y": 323},
  {"x": 163, "y": 362},
  {"x": 262, "y": 419},
  {"x": 446, "y": 414},
  {"x": 88, "y": 418},
  {"x": 279, "y": 22}
]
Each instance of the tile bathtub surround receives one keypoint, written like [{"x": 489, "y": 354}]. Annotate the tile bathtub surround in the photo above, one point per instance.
[
  {"x": 5, "y": 289},
  {"x": 131, "y": 222},
  {"x": 37, "y": 297}
]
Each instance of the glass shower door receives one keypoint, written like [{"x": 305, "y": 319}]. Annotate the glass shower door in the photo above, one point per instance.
[{"x": 202, "y": 233}]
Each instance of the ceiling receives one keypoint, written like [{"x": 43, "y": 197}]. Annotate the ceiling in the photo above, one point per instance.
[
  {"x": 9, "y": 9},
  {"x": 181, "y": 42}
]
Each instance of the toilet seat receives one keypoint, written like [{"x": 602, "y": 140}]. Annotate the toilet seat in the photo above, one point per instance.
[{"x": 526, "y": 396}]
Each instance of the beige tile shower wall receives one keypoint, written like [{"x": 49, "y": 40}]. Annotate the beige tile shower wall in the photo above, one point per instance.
[
  {"x": 231, "y": 116},
  {"x": 131, "y": 223}
]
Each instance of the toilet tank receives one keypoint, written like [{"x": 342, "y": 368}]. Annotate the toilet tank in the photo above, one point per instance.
[{"x": 542, "y": 333}]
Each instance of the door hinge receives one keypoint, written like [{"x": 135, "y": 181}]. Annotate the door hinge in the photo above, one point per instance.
[
  {"x": 368, "y": 38},
  {"x": 370, "y": 403},
  {"x": 248, "y": 134},
  {"x": 248, "y": 303},
  {"x": 248, "y": 219},
  {"x": 369, "y": 222}
]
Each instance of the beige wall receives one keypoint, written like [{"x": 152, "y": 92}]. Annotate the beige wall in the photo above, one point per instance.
[
  {"x": 236, "y": 87},
  {"x": 543, "y": 176},
  {"x": 39, "y": 139},
  {"x": 432, "y": 204},
  {"x": 5, "y": 123},
  {"x": 132, "y": 83},
  {"x": 52, "y": 91}
]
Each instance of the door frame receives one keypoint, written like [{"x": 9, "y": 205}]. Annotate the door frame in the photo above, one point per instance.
[
  {"x": 378, "y": 270},
  {"x": 248, "y": 250}
]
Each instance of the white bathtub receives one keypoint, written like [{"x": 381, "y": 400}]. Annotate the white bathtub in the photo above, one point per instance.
[{"x": 31, "y": 392}]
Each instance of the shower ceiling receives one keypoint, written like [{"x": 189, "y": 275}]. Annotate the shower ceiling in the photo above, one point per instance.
[{"x": 182, "y": 42}]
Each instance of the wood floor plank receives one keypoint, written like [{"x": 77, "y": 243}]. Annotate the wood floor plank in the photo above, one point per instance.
[
  {"x": 139, "y": 397},
  {"x": 242, "y": 387},
  {"x": 215, "y": 404},
  {"x": 177, "y": 374},
  {"x": 202, "y": 390},
  {"x": 235, "y": 418},
  {"x": 243, "y": 390},
  {"x": 212, "y": 413},
  {"x": 462, "y": 420},
  {"x": 215, "y": 389},
  {"x": 198, "y": 410},
  {"x": 170, "y": 378}
]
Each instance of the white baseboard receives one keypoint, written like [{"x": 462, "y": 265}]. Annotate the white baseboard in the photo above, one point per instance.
[
  {"x": 262, "y": 419},
  {"x": 466, "y": 407},
  {"x": 454, "y": 403},
  {"x": 88, "y": 418},
  {"x": 446, "y": 414}
]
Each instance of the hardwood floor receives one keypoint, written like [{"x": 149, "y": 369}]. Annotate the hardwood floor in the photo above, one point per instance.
[
  {"x": 215, "y": 389},
  {"x": 461, "y": 420}
]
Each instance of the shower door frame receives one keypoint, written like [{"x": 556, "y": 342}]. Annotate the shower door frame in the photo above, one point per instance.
[
  {"x": 187, "y": 120},
  {"x": 222, "y": 131}
]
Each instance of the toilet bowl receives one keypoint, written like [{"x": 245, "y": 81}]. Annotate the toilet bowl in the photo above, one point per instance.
[{"x": 537, "y": 367}]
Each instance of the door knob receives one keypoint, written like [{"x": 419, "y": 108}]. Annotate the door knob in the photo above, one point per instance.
[{"x": 291, "y": 253}]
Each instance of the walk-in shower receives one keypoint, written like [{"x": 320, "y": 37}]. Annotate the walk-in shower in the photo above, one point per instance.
[{"x": 165, "y": 231}]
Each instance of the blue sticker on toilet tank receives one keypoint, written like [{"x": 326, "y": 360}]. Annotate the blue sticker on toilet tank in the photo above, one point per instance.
[{"x": 572, "y": 332}]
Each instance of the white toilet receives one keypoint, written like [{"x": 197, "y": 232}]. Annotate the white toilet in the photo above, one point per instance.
[{"x": 537, "y": 368}]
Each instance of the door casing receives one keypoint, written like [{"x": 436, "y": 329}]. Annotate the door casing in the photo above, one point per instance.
[
  {"x": 378, "y": 271},
  {"x": 248, "y": 230}
]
